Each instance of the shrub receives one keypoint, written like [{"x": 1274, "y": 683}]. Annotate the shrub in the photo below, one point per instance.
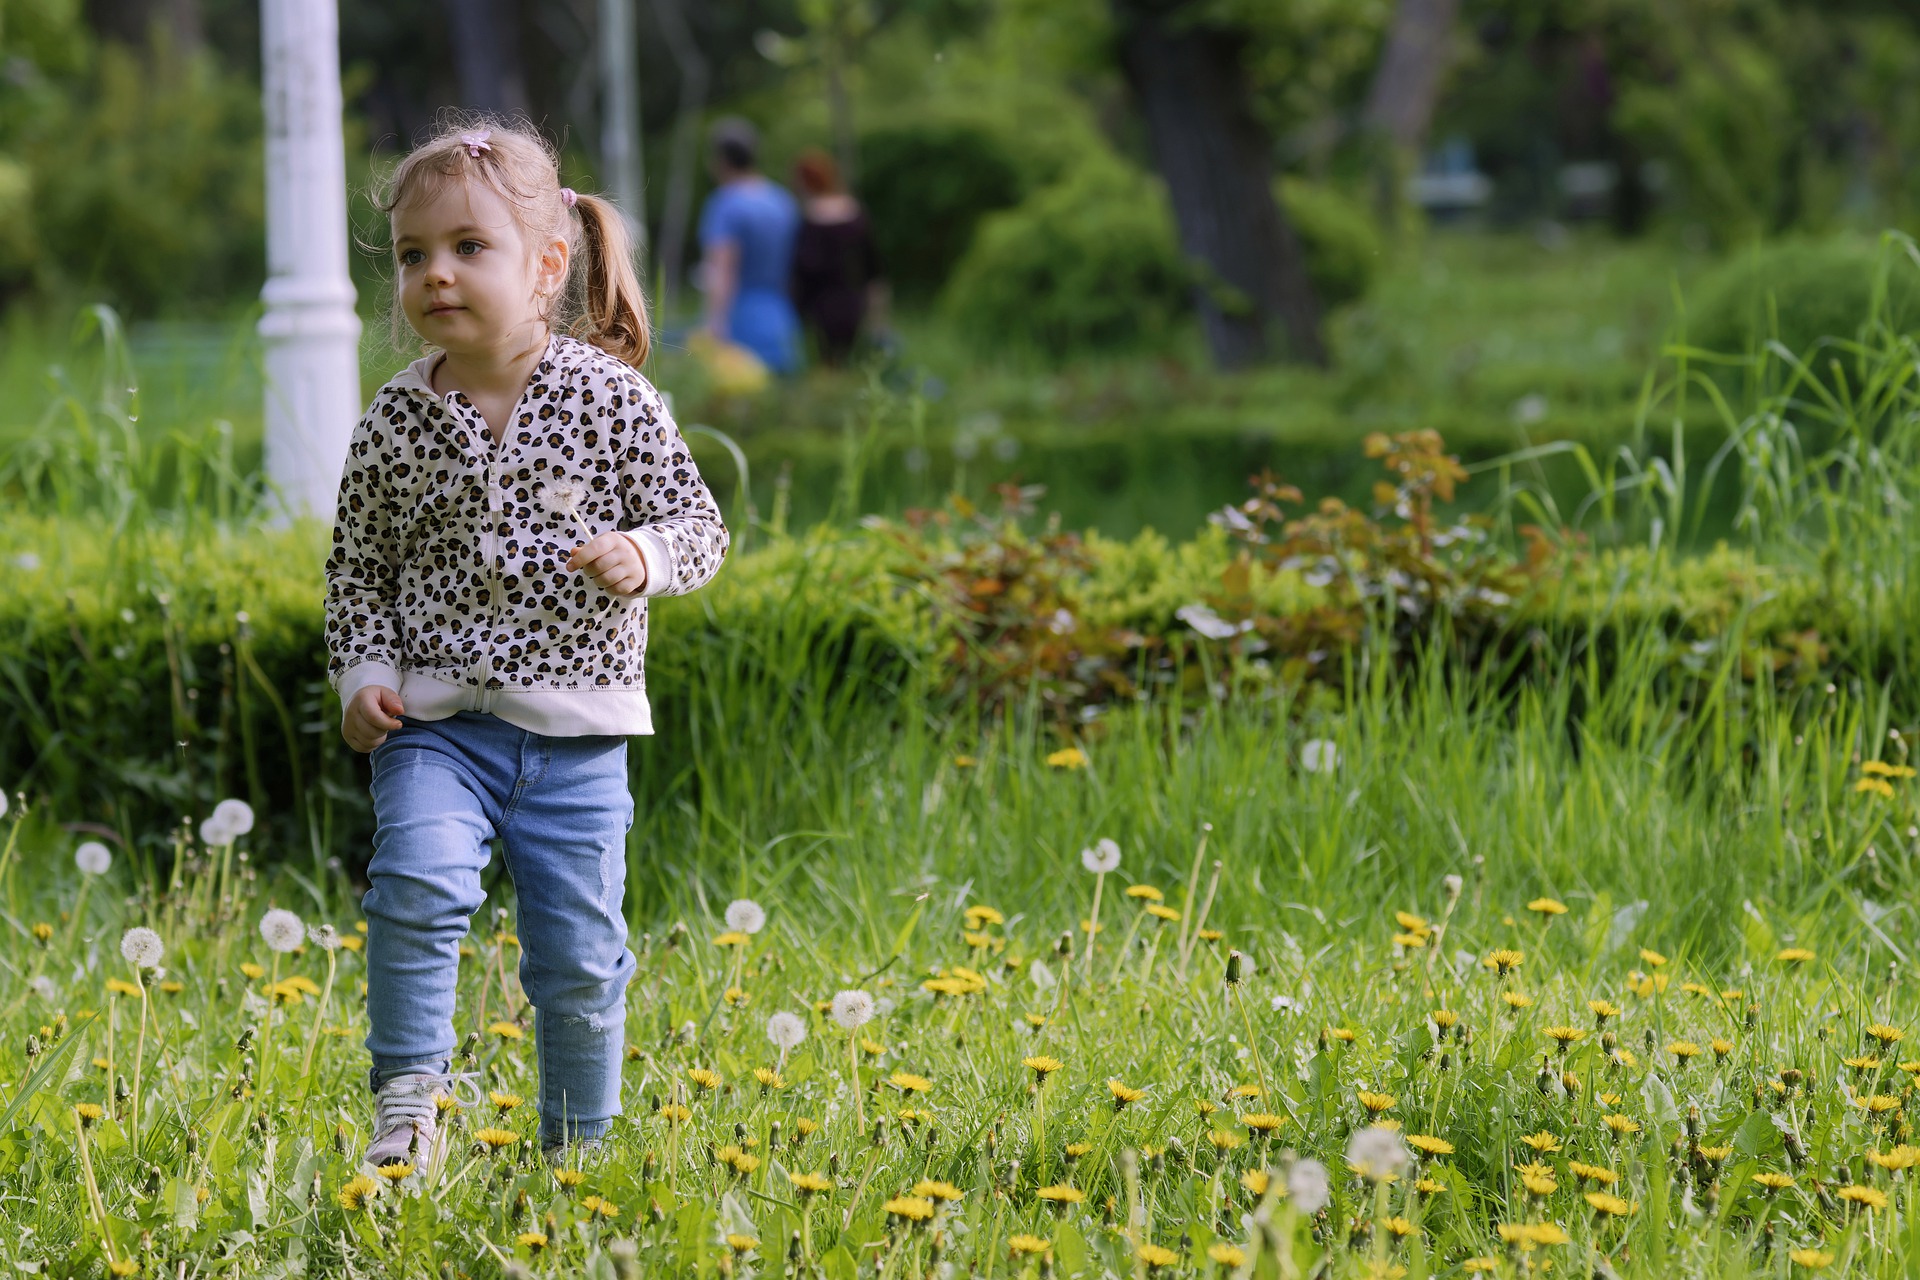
[
  {"x": 1093, "y": 262},
  {"x": 926, "y": 188},
  {"x": 1089, "y": 263},
  {"x": 1812, "y": 289},
  {"x": 1339, "y": 237}
]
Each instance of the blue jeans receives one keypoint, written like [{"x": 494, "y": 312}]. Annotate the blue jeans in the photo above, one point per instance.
[{"x": 442, "y": 791}]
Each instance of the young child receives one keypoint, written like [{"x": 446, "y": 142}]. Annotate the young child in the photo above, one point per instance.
[{"x": 508, "y": 503}]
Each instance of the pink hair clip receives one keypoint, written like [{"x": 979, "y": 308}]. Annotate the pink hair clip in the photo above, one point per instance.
[
  {"x": 475, "y": 143},
  {"x": 567, "y": 197}
]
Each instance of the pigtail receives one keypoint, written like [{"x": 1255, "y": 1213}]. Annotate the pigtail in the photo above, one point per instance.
[{"x": 613, "y": 313}]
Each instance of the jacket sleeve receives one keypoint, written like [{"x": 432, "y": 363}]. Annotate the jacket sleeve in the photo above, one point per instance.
[
  {"x": 362, "y": 631},
  {"x": 666, "y": 508}
]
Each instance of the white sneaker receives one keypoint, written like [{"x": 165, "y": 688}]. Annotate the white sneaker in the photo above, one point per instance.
[{"x": 406, "y": 1118}]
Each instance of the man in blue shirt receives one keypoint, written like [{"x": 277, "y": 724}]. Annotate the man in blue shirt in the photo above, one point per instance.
[{"x": 746, "y": 242}]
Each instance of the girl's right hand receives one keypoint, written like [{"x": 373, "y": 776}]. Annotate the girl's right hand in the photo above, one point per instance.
[{"x": 369, "y": 716}]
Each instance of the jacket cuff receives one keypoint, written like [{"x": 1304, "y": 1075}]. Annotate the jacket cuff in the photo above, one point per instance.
[
  {"x": 359, "y": 676},
  {"x": 653, "y": 555}
]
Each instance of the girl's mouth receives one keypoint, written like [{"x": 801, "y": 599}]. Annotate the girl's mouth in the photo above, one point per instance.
[{"x": 445, "y": 308}]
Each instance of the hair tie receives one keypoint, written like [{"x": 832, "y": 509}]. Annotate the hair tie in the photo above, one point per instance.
[
  {"x": 475, "y": 143},
  {"x": 567, "y": 197}
]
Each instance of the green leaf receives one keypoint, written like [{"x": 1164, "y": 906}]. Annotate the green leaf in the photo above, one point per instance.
[{"x": 42, "y": 1073}]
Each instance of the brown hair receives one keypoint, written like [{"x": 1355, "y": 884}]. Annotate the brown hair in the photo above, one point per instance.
[
  {"x": 601, "y": 300},
  {"x": 817, "y": 172}
]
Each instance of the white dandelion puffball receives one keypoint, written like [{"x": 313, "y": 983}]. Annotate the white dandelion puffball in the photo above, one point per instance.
[
  {"x": 93, "y": 858},
  {"x": 214, "y": 832},
  {"x": 41, "y": 985},
  {"x": 1320, "y": 755},
  {"x": 141, "y": 947},
  {"x": 324, "y": 936},
  {"x": 3, "y": 804},
  {"x": 852, "y": 1009},
  {"x": 561, "y": 497},
  {"x": 1376, "y": 1152},
  {"x": 744, "y": 915},
  {"x": 1102, "y": 858},
  {"x": 1041, "y": 976},
  {"x": 282, "y": 929},
  {"x": 235, "y": 815},
  {"x": 1453, "y": 885},
  {"x": 1286, "y": 1004},
  {"x": 785, "y": 1030},
  {"x": 1307, "y": 1186}
]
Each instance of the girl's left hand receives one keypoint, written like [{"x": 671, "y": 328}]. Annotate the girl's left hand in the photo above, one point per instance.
[{"x": 613, "y": 562}]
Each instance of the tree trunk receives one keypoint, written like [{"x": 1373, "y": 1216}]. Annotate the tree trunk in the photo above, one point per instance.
[
  {"x": 678, "y": 213},
  {"x": 1406, "y": 85},
  {"x": 486, "y": 54},
  {"x": 1218, "y": 166}
]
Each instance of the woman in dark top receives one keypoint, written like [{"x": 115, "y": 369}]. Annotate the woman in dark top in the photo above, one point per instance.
[{"x": 835, "y": 269}]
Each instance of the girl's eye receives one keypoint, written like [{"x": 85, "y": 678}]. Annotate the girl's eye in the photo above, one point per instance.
[
  {"x": 465, "y": 245},
  {"x": 411, "y": 258}
]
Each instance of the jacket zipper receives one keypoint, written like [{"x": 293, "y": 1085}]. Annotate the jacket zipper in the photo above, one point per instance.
[{"x": 490, "y": 545}]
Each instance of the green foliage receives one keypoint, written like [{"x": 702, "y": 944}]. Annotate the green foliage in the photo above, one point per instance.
[
  {"x": 1088, "y": 263},
  {"x": 926, "y": 187},
  {"x": 147, "y": 184},
  {"x": 1093, "y": 263},
  {"x": 1800, "y": 291},
  {"x": 1339, "y": 236}
]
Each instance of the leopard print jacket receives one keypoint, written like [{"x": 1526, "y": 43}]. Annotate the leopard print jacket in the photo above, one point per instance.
[{"x": 447, "y": 580}]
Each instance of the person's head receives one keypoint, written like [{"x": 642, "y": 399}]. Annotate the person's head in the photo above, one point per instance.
[
  {"x": 732, "y": 148},
  {"x": 816, "y": 173},
  {"x": 489, "y": 249}
]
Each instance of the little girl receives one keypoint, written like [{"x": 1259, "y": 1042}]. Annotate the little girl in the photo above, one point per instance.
[{"x": 508, "y": 503}]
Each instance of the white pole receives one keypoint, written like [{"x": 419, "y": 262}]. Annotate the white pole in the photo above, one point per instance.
[
  {"x": 310, "y": 331},
  {"x": 620, "y": 118}
]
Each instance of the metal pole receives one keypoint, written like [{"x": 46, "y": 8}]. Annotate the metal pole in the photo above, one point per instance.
[
  {"x": 620, "y": 124},
  {"x": 310, "y": 332}
]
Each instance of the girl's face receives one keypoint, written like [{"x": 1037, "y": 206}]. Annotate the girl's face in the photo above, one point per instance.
[{"x": 469, "y": 281}]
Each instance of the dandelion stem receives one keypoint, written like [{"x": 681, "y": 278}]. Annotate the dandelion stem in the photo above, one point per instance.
[
  {"x": 1253, "y": 1047},
  {"x": 139, "y": 1058},
  {"x": 319, "y": 1016},
  {"x": 1093, "y": 922},
  {"x": 93, "y": 1188},
  {"x": 1189, "y": 922},
  {"x": 853, "y": 1068}
]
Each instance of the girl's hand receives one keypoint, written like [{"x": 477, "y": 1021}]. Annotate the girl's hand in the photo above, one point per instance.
[{"x": 613, "y": 562}]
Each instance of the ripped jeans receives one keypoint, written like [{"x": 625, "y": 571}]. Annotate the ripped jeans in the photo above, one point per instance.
[{"x": 442, "y": 791}]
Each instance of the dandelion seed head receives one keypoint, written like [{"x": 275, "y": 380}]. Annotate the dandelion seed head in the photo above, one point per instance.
[
  {"x": 282, "y": 929},
  {"x": 852, "y": 1009},
  {"x": 1320, "y": 755},
  {"x": 1376, "y": 1152},
  {"x": 1307, "y": 1186},
  {"x": 785, "y": 1030},
  {"x": 141, "y": 947},
  {"x": 324, "y": 936},
  {"x": 1103, "y": 857},
  {"x": 744, "y": 915},
  {"x": 235, "y": 815},
  {"x": 93, "y": 858}
]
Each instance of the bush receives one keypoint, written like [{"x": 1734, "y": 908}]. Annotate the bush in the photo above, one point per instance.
[
  {"x": 1093, "y": 262},
  {"x": 1089, "y": 263},
  {"x": 1339, "y": 237},
  {"x": 1813, "y": 289},
  {"x": 926, "y": 188}
]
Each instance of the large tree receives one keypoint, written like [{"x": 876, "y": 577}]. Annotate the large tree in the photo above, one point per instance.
[{"x": 1185, "y": 69}]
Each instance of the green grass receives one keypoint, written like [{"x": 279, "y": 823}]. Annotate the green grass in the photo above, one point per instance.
[{"x": 867, "y": 858}]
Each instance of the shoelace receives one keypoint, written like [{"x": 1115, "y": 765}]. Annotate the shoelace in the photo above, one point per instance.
[{"x": 413, "y": 1103}]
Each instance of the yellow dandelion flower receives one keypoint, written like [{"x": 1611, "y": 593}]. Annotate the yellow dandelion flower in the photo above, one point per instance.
[
  {"x": 1478, "y": 1266},
  {"x": 1345, "y": 1035},
  {"x": 1226, "y": 1255},
  {"x": 1399, "y": 1227},
  {"x": 395, "y": 1170},
  {"x": 1067, "y": 758},
  {"x": 569, "y": 1178},
  {"x": 357, "y": 1191},
  {"x": 1429, "y": 1187},
  {"x": 768, "y": 1078},
  {"x": 1517, "y": 999},
  {"x": 674, "y": 1113},
  {"x": 1539, "y": 1184},
  {"x": 704, "y": 1077},
  {"x": 252, "y": 971},
  {"x": 1411, "y": 941},
  {"x": 1565, "y": 1035},
  {"x": 506, "y": 1030},
  {"x": 1061, "y": 1195},
  {"x": 1375, "y": 1103},
  {"x": 1410, "y": 922},
  {"x": 1146, "y": 891},
  {"x": 1901, "y": 1157},
  {"x": 1794, "y": 955},
  {"x": 1428, "y": 1145},
  {"x": 979, "y": 913},
  {"x": 976, "y": 940},
  {"x": 1620, "y": 1124},
  {"x": 1682, "y": 1050},
  {"x": 907, "y": 1082},
  {"x": 1592, "y": 1173},
  {"x": 871, "y": 1047},
  {"x": 600, "y": 1205},
  {"x": 1024, "y": 1244},
  {"x": 731, "y": 938},
  {"x": 1866, "y": 1197},
  {"x": 1811, "y": 1259},
  {"x": 1611, "y": 1205},
  {"x": 1256, "y": 1181},
  {"x": 494, "y": 1139},
  {"x": 1875, "y": 786},
  {"x": 1504, "y": 960},
  {"x": 532, "y": 1241},
  {"x": 1262, "y": 1123},
  {"x": 1159, "y": 912},
  {"x": 1123, "y": 1094},
  {"x": 933, "y": 1189},
  {"x": 1157, "y": 1256},
  {"x": 1886, "y": 1035},
  {"x": 1223, "y": 1139},
  {"x": 1773, "y": 1181},
  {"x": 1602, "y": 1010},
  {"x": 121, "y": 987},
  {"x": 1445, "y": 1019},
  {"x": 1542, "y": 1141},
  {"x": 1547, "y": 907},
  {"x": 1721, "y": 1047},
  {"x": 505, "y": 1101},
  {"x": 810, "y": 1183},
  {"x": 1879, "y": 1104}
]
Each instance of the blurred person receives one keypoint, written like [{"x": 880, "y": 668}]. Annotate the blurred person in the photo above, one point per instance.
[
  {"x": 836, "y": 267},
  {"x": 747, "y": 231},
  {"x": 508, "y": 504}
]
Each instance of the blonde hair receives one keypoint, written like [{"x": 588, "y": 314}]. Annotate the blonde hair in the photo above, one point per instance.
[{"x": 601, "y": 300}]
